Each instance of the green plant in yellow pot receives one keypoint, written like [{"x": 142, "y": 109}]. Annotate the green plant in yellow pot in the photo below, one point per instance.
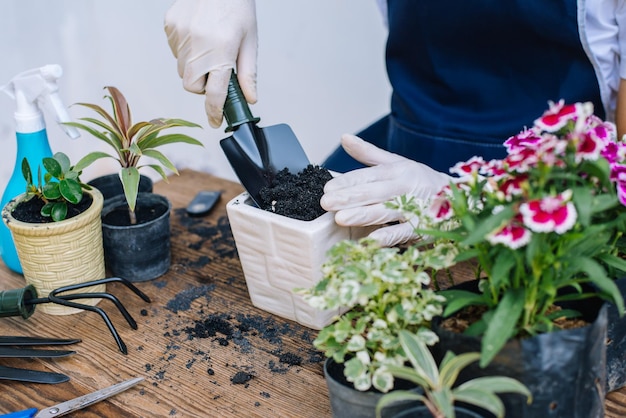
[{"x": 57, "y": 230}]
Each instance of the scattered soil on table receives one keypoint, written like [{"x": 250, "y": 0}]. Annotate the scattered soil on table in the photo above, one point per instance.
[
  {"x": 296, "y": 195},
  {"x": 30, "y": 211}
]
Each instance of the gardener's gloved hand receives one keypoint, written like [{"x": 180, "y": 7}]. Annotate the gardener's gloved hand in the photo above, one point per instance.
[
  {"x": 210, "y": 38},
  {"x": 358, "y": 197}
]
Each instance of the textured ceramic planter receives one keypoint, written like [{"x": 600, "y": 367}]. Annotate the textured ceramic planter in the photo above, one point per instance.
[
  {"x": 57, "y": 254},
  {"x": 279, "y": 254}
]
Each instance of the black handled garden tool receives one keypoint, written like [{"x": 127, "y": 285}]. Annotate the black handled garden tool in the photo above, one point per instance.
[
  {"x": 13, "y": 347},
  {"x": 21, "y": 302},
  {"x": 257, "y": 154}
]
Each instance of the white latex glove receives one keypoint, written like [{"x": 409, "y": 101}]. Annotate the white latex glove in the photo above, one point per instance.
[
  {"x": 210, "y": 38},
  {"x": 358, "y": 197}
]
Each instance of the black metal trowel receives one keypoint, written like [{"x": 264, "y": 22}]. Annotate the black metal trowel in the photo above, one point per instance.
[{"x": 257, "y": 154}]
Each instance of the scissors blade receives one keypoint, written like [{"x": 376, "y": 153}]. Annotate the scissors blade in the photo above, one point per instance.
[{"x": 86, "y": 400}]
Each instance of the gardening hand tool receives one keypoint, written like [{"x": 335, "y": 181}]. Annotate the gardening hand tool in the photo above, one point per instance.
[
  {"x": 17, "y": 351},
  {"x": 257, "y": 154},
  {"x": 31, "y": 376},
  {"x": 76, "y": 403},
  {"x": 21, "y": 302}
]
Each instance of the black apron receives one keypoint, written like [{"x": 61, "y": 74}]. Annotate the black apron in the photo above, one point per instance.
[{"x": 466, "y": 75}]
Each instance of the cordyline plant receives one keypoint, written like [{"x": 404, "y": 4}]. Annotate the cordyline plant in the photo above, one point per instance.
[
  {"x": 61, "y": 185},
  {"x": 383, "y": 290},
  {"x": 438, "y": 383},
  {"x": 131, "y": 141},
  {"x": 547, "y": 218}
]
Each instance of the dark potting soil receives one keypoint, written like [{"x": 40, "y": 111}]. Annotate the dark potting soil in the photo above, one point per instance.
[
  {"x": 296, "y": 195},
  {"x": 30, "y": 211},
  {"x": 120, "y": 217}
]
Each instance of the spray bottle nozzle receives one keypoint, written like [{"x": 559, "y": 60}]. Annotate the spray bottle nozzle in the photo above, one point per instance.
[{"x": 27, "y": 88}]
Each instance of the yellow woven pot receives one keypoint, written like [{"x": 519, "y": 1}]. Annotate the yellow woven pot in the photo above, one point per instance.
[{"x": 57, "y": 254}]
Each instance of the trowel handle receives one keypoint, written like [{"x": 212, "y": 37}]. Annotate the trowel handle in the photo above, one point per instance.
[
  {"x": 13, "y": 302},
  {"x": 236, "y": 110}
]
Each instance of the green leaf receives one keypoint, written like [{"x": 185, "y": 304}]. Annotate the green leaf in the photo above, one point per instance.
[
  {"x": 598, "y": 277},
  {"x": 59, "y": 211},
  {"x": 157, "y": 155},
  {"x": 449, "y": 371},
  {"x": 130, "y": 182},
  {"x": 444, "y": 401},
  {"x": 420, "y": 356},
  {"x": 160, "y": 170},
  {"x": 51, "y": 191},
  {"x": 613, "y": 261},
  {"x": 168, "y": 139},
  {"x": 63, "y": 160},
  {"x": 502, "y": 325},
  {"x": 26, "y": 173},
  {"x": 497, "y": 384},
  {"x": 459, "y": 299},
  {"x": 482, "y": 399},
  {"x": 53, "y": 167},
  {"x": 488, "y": 225},
  {"x": 397, "y": 396},
  {"x": 90, "y": 158},
  {"x": 409, "y": 374},
  {"x": 71, "y": 190},
  {"x": 46, "y": 210}
]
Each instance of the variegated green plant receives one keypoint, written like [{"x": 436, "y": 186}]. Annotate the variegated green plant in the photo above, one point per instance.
[
  {"x": 130, "y": 142},
  {"x": 438, "y": 382},
  {"x": 385, "y": 290}
]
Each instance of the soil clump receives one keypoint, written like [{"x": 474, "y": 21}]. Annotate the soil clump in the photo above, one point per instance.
[{"x": 298, "y": 195}]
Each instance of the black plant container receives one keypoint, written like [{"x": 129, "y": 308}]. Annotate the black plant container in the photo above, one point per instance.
[
  {"x": 347, "y": 402},
  {"x": 110, "y": 185},
  {"x": 423, "y": 412},
  {"x": 565, "y": 370},
  {"x": 616, "y": 344},
  {"x": 137, "y": 252}
]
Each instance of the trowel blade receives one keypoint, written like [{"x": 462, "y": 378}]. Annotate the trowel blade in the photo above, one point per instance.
[{"x": 257, "y": 154}]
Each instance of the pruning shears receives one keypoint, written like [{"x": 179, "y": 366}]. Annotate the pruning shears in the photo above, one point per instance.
[{"x": 75, "y": 404}]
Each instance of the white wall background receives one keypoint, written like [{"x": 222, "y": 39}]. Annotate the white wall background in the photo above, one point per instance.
[{"x": 320, "y": 70}]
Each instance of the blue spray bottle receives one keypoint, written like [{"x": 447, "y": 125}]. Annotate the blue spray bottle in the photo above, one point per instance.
[{"x": 29, "y": 89}]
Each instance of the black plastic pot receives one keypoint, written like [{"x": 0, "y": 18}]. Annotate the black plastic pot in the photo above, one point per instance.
[
  {"x": 423, "y": 412},
  {"x": 110, "y": 185},
  {"x": 347, "y": 402},
  {"x": 616, "y": 345},
  {"x": 565, "y": 370},
  {"x": 137, "y": 252}
]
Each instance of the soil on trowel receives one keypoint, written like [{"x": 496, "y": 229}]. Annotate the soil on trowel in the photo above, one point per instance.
[{"x": 298, "y": 195}]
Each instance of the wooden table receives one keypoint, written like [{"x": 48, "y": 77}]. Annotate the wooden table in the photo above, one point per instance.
[{"x": 201, "y": 346}]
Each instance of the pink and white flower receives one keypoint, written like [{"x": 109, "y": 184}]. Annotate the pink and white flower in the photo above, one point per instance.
[
  {"x": 618, "y": 176},
  {"x": 440, "y": 208},
  {"x": 550, "y": 214},
  {"x": 513, "y": 234},
  {"x": 470, "y": 167}
]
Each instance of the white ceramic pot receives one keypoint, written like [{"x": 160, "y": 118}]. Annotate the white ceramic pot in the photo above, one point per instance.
[{"x": 279, "y": 254}]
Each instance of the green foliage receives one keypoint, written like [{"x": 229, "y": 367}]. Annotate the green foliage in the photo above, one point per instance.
[
  {"x": 546, "y": 219},
  {"x": 383, "y": 290},
  {"x": 61, "y": 185},
  {"x": 130, "y": 141},
  {"x": 438, "y": 382}
]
